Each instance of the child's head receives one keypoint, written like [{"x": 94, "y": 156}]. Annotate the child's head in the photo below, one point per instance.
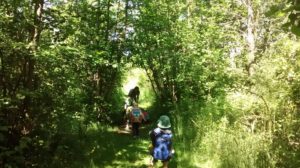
[
  {"x": 164, "y": 122},
  {"x": 135, "y": 104}
]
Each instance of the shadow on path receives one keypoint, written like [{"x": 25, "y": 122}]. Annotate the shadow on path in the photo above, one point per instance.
[{"x": 111, "y": 148}]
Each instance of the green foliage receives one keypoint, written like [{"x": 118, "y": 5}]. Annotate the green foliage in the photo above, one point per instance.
[
  {"x": 231, "y": 147},
  {"x": 68, "y": 83},
  {"x": 226, "y": 72},
  {"x": 293, "y": 17},
  {"x": 192, "y": 122}
]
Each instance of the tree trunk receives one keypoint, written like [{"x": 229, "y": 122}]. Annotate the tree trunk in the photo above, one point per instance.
[
  {"x": 2, "y": 80},
  {"x": 107, "y": 21},
  {"x": 30, "y": 62},
  {"x": 250, "y": 37},
  {"x": 102, "y": 69}
]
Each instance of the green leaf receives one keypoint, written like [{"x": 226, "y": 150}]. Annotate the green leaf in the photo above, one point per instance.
[
  {"x": 20, "y": 96},
  {"x": 295, "y": 30}
]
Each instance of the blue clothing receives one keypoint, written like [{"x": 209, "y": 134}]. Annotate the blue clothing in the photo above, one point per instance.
[{"x": 162, "y": 144}]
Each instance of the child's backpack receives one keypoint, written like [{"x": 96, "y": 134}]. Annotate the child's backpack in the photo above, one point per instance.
[
  {"x": 136, "y": 115},
  {"x": 162, "y": 150},
  {"x": 146, "y": 116}
]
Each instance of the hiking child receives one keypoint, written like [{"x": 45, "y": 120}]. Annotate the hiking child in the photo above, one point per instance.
[
  {"x": 161, "y": 138},
  {"x": 128, "y": 103},
  {"x": 136, "y": 116},
  {"x": 134, "y": 94}
]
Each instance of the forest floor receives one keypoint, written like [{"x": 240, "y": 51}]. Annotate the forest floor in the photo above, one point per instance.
[{"x": 113, "y": 147}]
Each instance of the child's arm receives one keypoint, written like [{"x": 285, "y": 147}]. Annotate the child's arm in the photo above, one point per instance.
[
  {"x": 170, "y": 148},
  {"x": 142, "y": 116},
  {"x": 152, "y": 137}
]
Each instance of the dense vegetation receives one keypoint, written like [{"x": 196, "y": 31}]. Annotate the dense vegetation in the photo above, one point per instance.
[{"x": 226, "y": 72}]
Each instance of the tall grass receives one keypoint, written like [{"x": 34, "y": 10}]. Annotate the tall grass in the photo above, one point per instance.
[
  {"x": 226, "y": 146},
  {"x": 207, "y": 136}
]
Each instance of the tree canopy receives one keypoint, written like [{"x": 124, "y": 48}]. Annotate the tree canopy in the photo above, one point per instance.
[{"x": 226, "y": 72}]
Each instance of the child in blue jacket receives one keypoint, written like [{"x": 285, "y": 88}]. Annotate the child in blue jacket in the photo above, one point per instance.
[{"x": 161, "y": 138}]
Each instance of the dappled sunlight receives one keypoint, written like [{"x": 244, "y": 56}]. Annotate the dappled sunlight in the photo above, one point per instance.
[
  {"x": 225, "y": 72},
  {"x": 206, "y": 164},
  {"x": 105, "y": 147}
]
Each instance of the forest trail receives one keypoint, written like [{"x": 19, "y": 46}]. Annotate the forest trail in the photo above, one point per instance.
[{"x": 113, "y": 147}]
